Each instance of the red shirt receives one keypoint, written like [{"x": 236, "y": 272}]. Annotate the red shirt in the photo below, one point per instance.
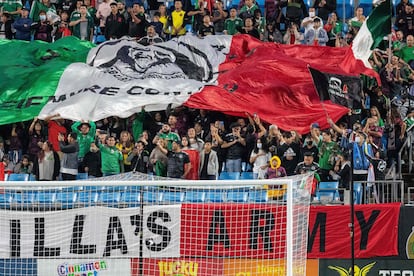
[{"x": 54, "y": 130}]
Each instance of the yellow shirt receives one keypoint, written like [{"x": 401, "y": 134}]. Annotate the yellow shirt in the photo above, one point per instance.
[
  {"x": 178, "y": 22},
  {"x": 125, "y": 155}
]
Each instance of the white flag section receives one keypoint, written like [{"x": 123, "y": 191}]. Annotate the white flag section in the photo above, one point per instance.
[
  {"x": 121, "y": 77},
  {"x": 93, "y": 232}
]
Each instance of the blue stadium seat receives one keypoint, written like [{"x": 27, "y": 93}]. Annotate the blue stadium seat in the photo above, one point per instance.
[
  {"x": 130, "y": 198},
  {"x": 18, "y": 177},
  {"x": 82, "y": 176},
  {"x": 237, "y": 195},
  {"x": 229, "y": 176},
  {"x": 45, "y": 197},
  {"x": 258, "y": 196},
  {"x": 151, "y": 196},
  {"x": 93, "y": 188},
  {"x": 23, "y": 199},
  {"x": 215, "y": 196},
  {"x": 65, "y": 199},
  {"x": 86, "y": 198},
  {"x": 172, "y": 197},
  {"x": 357, "y": 193},
  {"x": 327, "y": 191},
  {"x": 109, "y": 198},
  {"x": 195, "y": 196},
  {"x": 32, "y": 177},
  {"x": 246, "y": 175},
  {"x": 5, "y": 200}
]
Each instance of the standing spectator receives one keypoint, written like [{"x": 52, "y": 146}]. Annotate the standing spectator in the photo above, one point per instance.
[
  {"x": 334, "y": 28},
  {"x": 247, "y": 11},
  {"x": 158, "y": 159},
  {"x": 327, "y": 152},
  {"x": 309, "y": 165},
  {"x": 56, "y": 126},
  {"x": 407, "y": 52},
  {"x": 104, "y": 10},
  {"x": 85, "y": 131},
  {"x": 22, "y": 26},
  {"x": 309, "y": 146},
  {"x": 233, "y": 23},
  {"x": 260, "y": 23},
  {"x": 342, "y": 173},
  {"x": 209, "y": 164},
  {"x": 144, "y": 138},
  {"x": 63, "y": 30},
  {"x": 177, "y": 20},
  {"x": 234, "y": 143},
  {"x": 355, "y": 22},
  {"x": 112, "y": 159},
  {"x": 122, "y": 10},
  {"x": 12, "y": 7},
  {"x": 324, "y": 8},
  {"x": 296, "y": 10},
  {"x": 194, "y": 142},
  {"x": 92, "y": 162},
  {"x": 219, "y": 15},
  {"x": 46, "y": 167},
  {"x": 44, "y": 5},
  {"x": 137, "y": 22},
  {"x": 198, "y": 14},
  {"x": 259, "y": 158},
  {"x": 42, "y": 28},
  {"x": 16, "y": 145},
  {"x": 6, "y": 26},
  {"x": 69, "y": 167},
  {"x": 125, "y": 146},
  {"x": 317, "y": 35},
  {"x": 82, "y": 24},
  {"x": 289, "y": 150},
  {"x": 178, "y": 162},
  {"x": 158, "y": 25},
  {"x": 361, "y": 150},
  {"x": 166, "y": 134},
  {"x": 139, "y": 158},
  {"x": 163, "y": 19},
  {"x": 115, "y": 24},
  {"x": 36, "y": 139}
]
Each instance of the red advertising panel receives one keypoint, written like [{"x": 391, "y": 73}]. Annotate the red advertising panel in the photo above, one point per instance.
[
  {"x": 177, "y": 266},
  {"x": 376, "y": 231},
  {"x": 233, "y": 230}
]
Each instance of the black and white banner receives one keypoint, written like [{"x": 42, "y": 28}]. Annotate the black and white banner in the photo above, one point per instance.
[
  {"x": 121, "y": 77},
  {"x": 92, "y": 232}
]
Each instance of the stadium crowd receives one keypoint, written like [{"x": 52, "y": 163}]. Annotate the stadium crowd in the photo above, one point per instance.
[{"x": 200, "y": 144}]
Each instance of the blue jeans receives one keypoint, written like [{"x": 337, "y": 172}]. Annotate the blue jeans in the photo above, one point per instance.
[{"x": 233, "y": 165}]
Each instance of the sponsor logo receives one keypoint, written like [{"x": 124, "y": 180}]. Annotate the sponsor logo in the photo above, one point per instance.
[
  {"x": 357, "y": 270},
  {"x": 178, "y": 268},
  {"x": 82, "y": 269},
  {"x": 335, "y": 88},
  {"x": 409, "y": 245}
]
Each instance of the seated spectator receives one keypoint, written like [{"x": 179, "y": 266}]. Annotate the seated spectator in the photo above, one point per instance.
[
  {"x": 24, "y": 166},
  {"x": 8, "y": 165},
  {"x": 206, "y": 28},
  {"x": 272, "y": 34},
  {"x": 151, "y": 37},
  {"x": 22, "y": 26},
  {"x": 249, "y": 28}
]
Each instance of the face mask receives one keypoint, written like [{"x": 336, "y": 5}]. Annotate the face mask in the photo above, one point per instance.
[
  {"x": 42, "y": 17},
  {"x": 311, "y": 14},
  {"x": 259, "y": 145},
  {"x": 357, "y": 139}
]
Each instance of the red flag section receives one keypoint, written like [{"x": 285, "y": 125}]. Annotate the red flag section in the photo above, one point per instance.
[{"x": 273, "y": 81}]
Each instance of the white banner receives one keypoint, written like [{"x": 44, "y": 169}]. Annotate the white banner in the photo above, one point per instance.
[
  {"x": 121, "y": 77},
  {"x": 92, "y": 232}
]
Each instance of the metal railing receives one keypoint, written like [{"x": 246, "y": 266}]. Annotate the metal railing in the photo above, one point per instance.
[
  {"x": 408, "y": 146},
  {"x": 383, "y": 191}
]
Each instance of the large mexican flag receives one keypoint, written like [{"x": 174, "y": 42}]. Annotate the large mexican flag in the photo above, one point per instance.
[{"x": 233, "y": 75}]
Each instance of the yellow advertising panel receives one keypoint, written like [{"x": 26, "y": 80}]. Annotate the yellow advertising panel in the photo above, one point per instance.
[{"x": 249, "y": 267}]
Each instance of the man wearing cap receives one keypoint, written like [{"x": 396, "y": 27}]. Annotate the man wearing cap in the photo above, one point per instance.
[
  {"x": 235, "y": 144},
  {"x": 178, "y": 161},
  {"x": 22, "y": 25},
  {"x": 308, "y": 165},
  {"x": 86, "y": 136}
]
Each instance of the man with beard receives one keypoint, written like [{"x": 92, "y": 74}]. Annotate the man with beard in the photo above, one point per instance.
[
  {"x": 136, "y": 22},
  {"x": 167, "y": 135}
]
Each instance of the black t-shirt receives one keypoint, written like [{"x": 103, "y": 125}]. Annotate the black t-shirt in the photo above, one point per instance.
[
  {"x": 206, "y": 30},
  {"x": 176, "y": 162},
  {"x": 236, "y": 150},
  {"x": 289, "y": 155}
]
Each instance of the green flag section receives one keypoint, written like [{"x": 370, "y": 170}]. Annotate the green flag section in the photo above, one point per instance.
[
  {"x": 30, "y": 72},
  {"x": 372, "y": 32}
]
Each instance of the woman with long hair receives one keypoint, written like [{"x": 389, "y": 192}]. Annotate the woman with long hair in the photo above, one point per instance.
[
  {"x": 125, "y": 145},
  {"x": 47, "y": 165}
]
